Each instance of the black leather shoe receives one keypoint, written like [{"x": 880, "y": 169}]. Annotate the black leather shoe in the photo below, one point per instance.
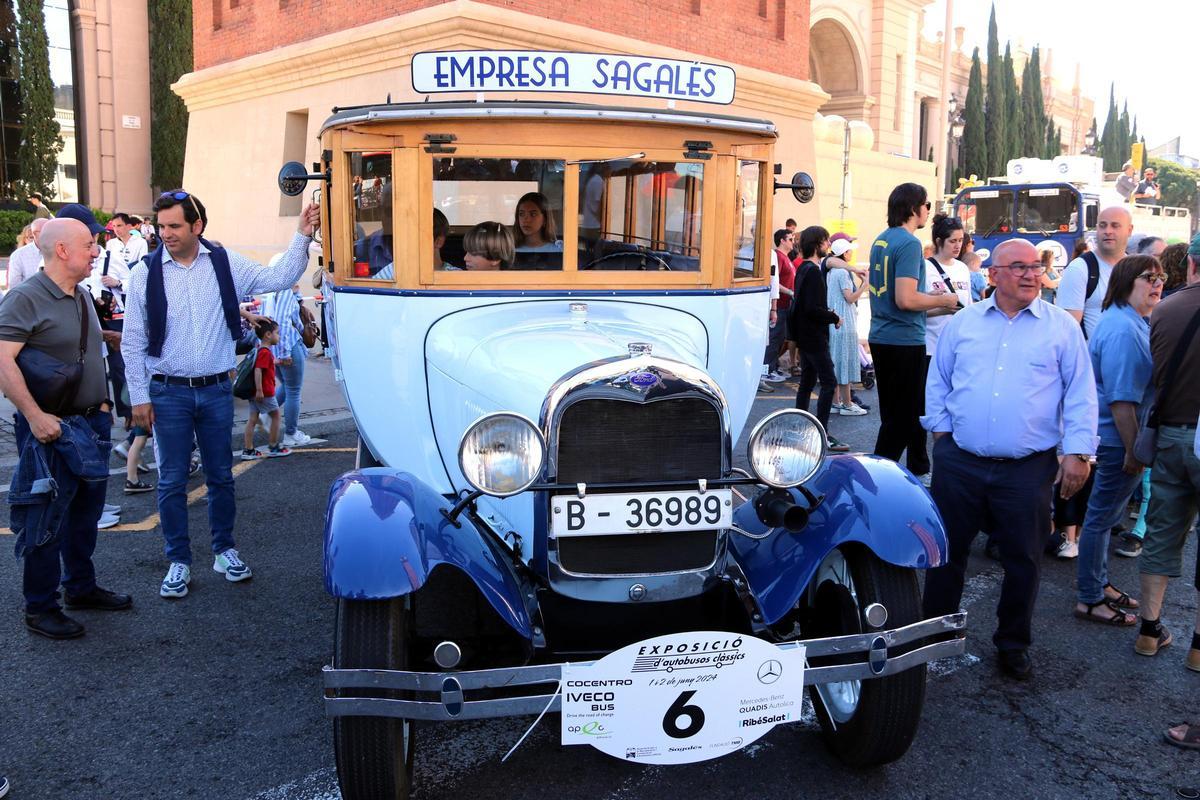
[
  {"x": 54, "y": 625},
  {"x": 100, "y": 600},
  {"x": 1016, "y": 664}
]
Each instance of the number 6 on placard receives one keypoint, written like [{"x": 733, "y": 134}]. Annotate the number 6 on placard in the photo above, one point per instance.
[{"x": 680, "y": 708}]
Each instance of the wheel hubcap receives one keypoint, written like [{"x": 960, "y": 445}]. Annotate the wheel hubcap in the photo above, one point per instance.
[{"x": 841, "y": 698}]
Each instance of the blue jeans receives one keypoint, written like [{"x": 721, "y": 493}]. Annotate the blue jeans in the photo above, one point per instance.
[
  {"x": 74, "y": 544},
  {"x": 287, "y": 387},
  {"x": 1111, "y": 490},
  {"x": 182, "y": 414}
]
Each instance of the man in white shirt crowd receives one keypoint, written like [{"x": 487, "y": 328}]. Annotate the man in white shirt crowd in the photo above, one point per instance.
[
  {"x": 1113, "y": 230},
  {"x": 26, "y": 260}
]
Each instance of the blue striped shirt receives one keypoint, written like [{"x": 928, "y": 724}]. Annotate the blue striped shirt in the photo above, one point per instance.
[
  {"x": 197, "y": 341},
  {"x": 1007, "y": 388},
  {"x": 284, "y": 307}
]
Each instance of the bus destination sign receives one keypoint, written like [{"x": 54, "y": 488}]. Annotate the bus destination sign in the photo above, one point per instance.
[{"x": 578, "y": 73}]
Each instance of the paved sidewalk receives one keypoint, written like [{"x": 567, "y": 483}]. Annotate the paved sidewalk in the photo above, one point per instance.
[{"x": 323, "y": 411}]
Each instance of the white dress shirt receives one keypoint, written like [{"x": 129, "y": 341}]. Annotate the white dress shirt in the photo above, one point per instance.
[
  {"x": 197, "y": 341},
  {"x": 23, "y": 264}
]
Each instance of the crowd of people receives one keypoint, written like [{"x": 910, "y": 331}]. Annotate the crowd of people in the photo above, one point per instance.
[{"x": 1054, "y": 400}]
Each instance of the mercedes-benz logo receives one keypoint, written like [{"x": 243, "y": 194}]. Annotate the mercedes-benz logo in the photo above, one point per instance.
[{"x": 769, "y": 671}]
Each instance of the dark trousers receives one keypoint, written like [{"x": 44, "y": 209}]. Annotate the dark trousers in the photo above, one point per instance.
[
  {"x": 775, "y": 339},
  {"x": 66, "y": 559},
  {"x": 116, "y": 370},
  {"x": 899, "y": 374},
  {"x": 1011, "y": 500},
  {"x": 816, "y": 365}
]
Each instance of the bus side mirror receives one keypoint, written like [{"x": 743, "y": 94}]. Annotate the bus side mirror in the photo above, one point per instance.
[
  {"x": 293, "y": 177},
  {"x": 1090, "y": 217},
  {"x": 802, "y": 186}
]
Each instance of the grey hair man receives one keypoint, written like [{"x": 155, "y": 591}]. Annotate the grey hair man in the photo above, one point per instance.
[
  {"x": 51, "y": 314},
  {"x": 27, "y": 259}
]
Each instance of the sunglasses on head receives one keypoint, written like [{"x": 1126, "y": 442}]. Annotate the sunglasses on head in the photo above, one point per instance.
[{"x": 181, "y": 196}]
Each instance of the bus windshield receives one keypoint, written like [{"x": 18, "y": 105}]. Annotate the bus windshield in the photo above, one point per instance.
[
  {"x": 986, "y": 212},
  {"x": 1047, "y": 210}
]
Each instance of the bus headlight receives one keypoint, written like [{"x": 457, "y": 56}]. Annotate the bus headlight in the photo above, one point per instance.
[
  {"x": 502, "y": 454},
  {"x": 786, "y": 448}
]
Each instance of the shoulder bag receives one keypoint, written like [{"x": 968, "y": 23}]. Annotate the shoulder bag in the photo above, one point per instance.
[
  {"x": 54, "y": 384},
  {"x": 309, "y": 332},
  {"x": 1146, "y": 444}
]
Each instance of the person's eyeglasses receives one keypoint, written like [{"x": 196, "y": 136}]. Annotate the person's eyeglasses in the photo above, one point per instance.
[
  {"x": 1154, "y": 278},
  {"x": 928, "y": 205},
  {"x": 1019, "y": 269},
  {"x": 181, "y": 196}
]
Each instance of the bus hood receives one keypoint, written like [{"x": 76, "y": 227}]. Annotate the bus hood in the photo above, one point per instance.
[{"x": 507, "y": 356}]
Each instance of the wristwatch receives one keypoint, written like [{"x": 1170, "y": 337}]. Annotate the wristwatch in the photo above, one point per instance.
[{"x": 1084, "y": 457}]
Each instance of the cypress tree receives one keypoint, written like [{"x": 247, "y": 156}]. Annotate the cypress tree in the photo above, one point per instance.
[
  {"x": 1013, "y": 113},
  {"x": 1126, "y": 139},
  {"x": 997, "y": 107},
  {"x": 37, "y": 156},
  {"x": 1112, "y": 142},
  {"x": 1033, "y": 107},
  {"x": 974, "y": 151},
  {"x": 170, "y": 58}
]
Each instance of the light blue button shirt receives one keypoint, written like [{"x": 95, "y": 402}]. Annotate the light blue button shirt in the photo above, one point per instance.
[{"x": 1007, "y": 388}]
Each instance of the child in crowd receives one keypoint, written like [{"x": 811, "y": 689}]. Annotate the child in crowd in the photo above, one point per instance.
[
  {"x": 133, "y": 462},
  {"x": 488, "y": 246},
  {"x": 264, "y": 401}
]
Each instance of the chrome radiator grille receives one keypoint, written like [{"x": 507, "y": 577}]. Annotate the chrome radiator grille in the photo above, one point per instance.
[{"x": 606, "y": 441}]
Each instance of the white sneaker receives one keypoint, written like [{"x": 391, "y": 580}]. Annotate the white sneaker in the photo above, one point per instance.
[
  {"x": 1068, "y": 550},
  {"x": 121, "y": 449},
  {"x": 175, "y": 584},
  {"x": 231, "y": 566},
  {"x": 776, "y": 377},
  {"x": 852, "y": 410},
  {"x": 926, "y": 479},
  {"x": 297, "y": 439},
  {"x": 109, "y": 508},
  {"x": 107, "y": 521}
]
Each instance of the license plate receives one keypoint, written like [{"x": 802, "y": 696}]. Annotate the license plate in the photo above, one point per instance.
[{"x": 644, "y": 512}]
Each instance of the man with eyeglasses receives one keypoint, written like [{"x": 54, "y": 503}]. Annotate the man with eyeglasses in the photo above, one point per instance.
[
  {"x": 178, "y": 371},
  {"x": 1085, "y": 280},
  {"x": 1010, "y": 381}
]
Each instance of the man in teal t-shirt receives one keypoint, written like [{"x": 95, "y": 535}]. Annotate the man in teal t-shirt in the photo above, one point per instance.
[{"x": 898, "y": 328}]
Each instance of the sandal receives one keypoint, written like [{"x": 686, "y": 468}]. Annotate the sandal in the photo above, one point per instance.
[
  {"x": 1191, "y": 736},
  {"x": 1123, "y": 600},
  {"x": 1119, "y": 618}
]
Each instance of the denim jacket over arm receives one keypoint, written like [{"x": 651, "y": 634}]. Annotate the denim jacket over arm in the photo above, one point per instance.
[{"x": 48, "y": 475}]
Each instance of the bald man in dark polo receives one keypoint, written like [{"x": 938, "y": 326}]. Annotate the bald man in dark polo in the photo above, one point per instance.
[{"x": 45, "y": 313}]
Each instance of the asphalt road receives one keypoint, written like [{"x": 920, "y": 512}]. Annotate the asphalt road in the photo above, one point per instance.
[{"x": 218, "y": 695}]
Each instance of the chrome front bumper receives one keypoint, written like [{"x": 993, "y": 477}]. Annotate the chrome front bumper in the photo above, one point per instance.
[{"x": 449, "y": 687}]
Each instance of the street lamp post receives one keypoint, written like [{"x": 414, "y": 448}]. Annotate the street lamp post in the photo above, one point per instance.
[
  {"x": 1089, "y": 141},
  {"x": 955, "y": 129}
]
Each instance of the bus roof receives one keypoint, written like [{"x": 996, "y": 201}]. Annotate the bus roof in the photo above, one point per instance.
[{"x": 537, "y": 109}]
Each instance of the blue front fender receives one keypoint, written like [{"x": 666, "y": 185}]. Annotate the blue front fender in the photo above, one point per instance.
[
  {"x": 384, "y": 535},
  {"x": 868, "y": 500}
]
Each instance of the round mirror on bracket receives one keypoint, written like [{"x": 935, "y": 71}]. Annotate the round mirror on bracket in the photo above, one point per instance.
[
  {"x": 803, "y": 188},
  {"x": 293, "y": 177}
]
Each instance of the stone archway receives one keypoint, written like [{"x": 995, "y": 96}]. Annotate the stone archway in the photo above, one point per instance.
[{"x": 836, "y": 65}]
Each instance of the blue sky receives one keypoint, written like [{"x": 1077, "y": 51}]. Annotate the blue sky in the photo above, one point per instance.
[{"x": 1142, "y": 47}]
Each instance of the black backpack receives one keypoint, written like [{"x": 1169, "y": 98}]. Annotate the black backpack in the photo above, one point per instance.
[{"x": 1093, "y": 268}]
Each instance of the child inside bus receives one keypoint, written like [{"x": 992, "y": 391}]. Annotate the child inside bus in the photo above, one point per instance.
[
  {"x": 533, "y": 229},
  {"x": 488, "y": 246}
]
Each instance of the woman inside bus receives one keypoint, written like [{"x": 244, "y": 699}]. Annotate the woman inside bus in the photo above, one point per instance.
[
  {"x": 534, "y": 232},
  {"x": 488, "y": 246}
]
